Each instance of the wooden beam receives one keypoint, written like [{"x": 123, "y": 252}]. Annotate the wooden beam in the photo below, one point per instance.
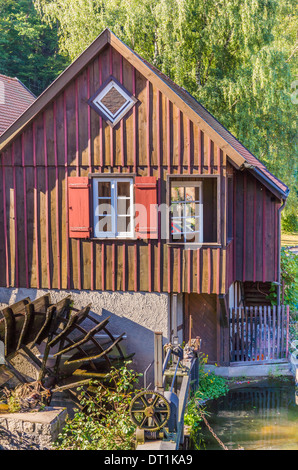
[
  {"x": 47, "y": 200},
  {"x": 25, "y": 213},
  {"x": 57, "y": 197},
  {"x": 15, "y": 218},
  {"x": 5, "y": 224}
]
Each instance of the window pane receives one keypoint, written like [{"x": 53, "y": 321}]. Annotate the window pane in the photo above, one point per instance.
[
  {"x": 123, "y": 206},
  {"x": 177, "y": 225},
  {"x": 176, "y": 230},
  {"x": 177, "y": 194},
  {"x": 190, "y": 237},
  {"x": 191, "y": 209},
  {"x": 192, "y": 193},
  {"x": 190, "y": 225},
  {"x": 177, "y": 210},
  {"x": 104, "y": 207},
  {"x": 104, "y": 189},
  {"x": 123, "y": 188},
  {"x": 104, "y": 224},
  {"x": 123, "y": 224}
]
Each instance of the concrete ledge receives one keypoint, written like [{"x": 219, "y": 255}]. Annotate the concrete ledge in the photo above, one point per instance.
[
  {"x": 31, "y": 431},
  {"x": 260, "y": 370},
  {"x": 157, "y": 445}
]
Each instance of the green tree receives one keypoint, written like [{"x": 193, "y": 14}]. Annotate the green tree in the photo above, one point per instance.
[
  {"x": 28, "y": 46},
  {"x": 289, "y": 277},
  {"x": 237, "y": 57}
]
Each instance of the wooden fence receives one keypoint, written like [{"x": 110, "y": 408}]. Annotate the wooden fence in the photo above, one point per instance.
[{"x": 259, "y": 334}]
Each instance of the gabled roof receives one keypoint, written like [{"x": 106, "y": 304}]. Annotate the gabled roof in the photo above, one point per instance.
[
  {"x": 239, "y": 156},
  {"x": 15, "y": 98}
]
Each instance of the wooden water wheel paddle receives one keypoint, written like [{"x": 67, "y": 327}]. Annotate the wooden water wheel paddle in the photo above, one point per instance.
[{"x": 58, "y": 329}]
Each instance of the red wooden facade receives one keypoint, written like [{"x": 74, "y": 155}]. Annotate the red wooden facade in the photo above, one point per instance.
[
  {"x": 39, "y": 248},
  {"x": 48, "y": 159}
]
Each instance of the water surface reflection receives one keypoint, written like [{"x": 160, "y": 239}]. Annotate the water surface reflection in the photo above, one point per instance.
[{"x": 257, "y": 417}]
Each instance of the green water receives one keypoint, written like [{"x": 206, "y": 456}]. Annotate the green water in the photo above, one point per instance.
[{"x": 257, "y": 417}]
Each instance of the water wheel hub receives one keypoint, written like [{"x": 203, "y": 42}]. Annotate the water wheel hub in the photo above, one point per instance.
[{"x": 149, "y": 411}]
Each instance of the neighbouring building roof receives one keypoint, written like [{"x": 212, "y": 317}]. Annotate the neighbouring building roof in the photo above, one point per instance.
[
  {"x": 238, "y": 154},
  {"x": 15, "y": 98}
]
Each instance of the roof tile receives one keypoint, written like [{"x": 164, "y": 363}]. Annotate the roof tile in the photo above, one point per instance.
[{"x": 15, "y": 98}]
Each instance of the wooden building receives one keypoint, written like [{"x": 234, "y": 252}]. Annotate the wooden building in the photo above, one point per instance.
[{"x": 112, "y": 129}]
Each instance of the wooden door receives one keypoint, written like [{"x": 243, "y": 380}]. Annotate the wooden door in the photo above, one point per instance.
[{"x": 202, "y": 308}]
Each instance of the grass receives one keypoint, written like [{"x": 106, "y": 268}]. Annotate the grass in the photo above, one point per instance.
[{"x": 289, "y": 239}]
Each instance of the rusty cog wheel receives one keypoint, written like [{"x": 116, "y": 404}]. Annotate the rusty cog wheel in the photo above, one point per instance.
[{"x": 149, "y": 410}]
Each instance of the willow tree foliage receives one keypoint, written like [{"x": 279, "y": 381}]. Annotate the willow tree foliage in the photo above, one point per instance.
[{"x": 237, "y": 57}]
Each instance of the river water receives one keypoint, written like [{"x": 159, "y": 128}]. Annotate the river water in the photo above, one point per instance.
[{"x": 262, "y": 416}]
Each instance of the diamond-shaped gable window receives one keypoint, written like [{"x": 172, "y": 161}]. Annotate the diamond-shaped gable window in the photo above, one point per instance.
[{"x": 112, "y": 101}]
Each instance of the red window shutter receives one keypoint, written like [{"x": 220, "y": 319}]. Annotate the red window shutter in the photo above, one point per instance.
[
  {"x": 146, "y": 216},
  {"x": 79, "y": 207}
]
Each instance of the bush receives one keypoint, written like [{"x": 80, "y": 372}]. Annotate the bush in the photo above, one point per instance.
[
  {"x": 289, "y": 277},
  {"x": 104, "y": 423},
  {"x": 210, "y": 385}
]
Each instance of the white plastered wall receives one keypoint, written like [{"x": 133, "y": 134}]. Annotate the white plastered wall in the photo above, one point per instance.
[{"x": 137, "y": 315}]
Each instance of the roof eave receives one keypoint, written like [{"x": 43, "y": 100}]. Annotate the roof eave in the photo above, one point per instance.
[{"x": 276, "y": 190}]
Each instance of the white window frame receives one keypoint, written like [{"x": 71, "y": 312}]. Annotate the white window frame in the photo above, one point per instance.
[
  {"x": 114, "y": 212},
  {"x": 197, "y": 184}
]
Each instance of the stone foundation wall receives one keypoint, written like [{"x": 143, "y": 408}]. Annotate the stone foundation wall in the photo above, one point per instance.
[{"x": 31, "y": 431}]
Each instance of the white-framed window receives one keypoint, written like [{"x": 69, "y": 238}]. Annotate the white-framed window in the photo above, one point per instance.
[
  {"x": 113, "y": 207},
  {"x": 186, "y": 211}
]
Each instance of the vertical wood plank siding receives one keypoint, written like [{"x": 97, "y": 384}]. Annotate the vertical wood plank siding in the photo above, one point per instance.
[
  {"x": 155, "y": 138},
  {"x": 255, "y": 234}
]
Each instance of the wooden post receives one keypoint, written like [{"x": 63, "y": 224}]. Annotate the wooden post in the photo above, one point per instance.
[
  {"x": 190, "y": 329},
  {"x": 287, "y": 332},
  {"x": 2, "y": 358},
  {"x": 223, "y": 331},
  {"x": 174, "y": 311},
  {"x": 158, "y": 361}
]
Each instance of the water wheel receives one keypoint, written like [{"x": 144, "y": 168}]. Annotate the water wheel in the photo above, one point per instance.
[{"x": 77, "y": 355}]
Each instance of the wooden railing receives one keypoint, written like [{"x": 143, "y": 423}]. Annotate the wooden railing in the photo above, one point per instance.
[{"x": 259, "y": 334}]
